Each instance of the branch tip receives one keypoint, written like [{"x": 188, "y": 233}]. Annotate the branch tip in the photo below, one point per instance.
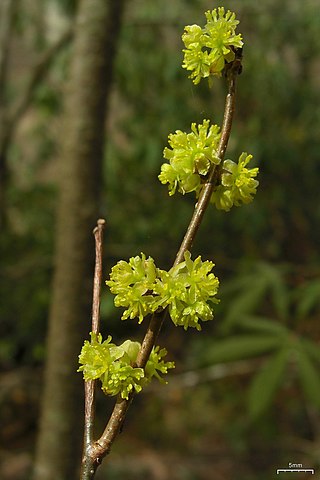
[{"x": 100, "y": 225}]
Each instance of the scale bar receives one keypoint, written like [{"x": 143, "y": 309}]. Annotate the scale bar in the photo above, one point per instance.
[{"x": 304, "y": 470}]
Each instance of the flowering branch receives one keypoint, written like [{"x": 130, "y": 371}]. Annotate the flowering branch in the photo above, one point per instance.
[
  {"x": 185, "y": 293},
  {"x": 102, "y": 446}
]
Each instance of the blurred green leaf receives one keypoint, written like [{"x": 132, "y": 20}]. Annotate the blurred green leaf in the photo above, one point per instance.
[
  {"x": 245, "y": 302},
  {"x": 266, "y": 383},
  {"x": 279, "y": 292},
  {"x": 240, "y": 347},
  {"x": 308, "y": 297},
  {"x": 311, "y": 348},
  {"x": 262, "y": 324},
  {"x": 309, "y": 377},
  {"x": 250, "y": 291}
]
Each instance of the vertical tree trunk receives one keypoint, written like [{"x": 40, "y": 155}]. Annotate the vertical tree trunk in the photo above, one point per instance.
[
  {"x": 82, "y": 139},
  {"x": 6, "y": 17}
]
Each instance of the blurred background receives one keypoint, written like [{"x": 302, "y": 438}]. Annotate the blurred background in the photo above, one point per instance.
[{"x": 244, "y": 398}]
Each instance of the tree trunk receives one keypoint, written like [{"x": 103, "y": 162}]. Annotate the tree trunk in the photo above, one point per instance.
[
  {"x": 6, "y": 17},
  {"x": 82, "y": 139}
]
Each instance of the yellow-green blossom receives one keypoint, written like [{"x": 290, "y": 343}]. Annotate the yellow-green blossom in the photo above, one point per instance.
[
  {"x": 238, "y": 184},
  {"x": 132, "y": 282},
  {"x": 155, "y": 365},
  {"x": 121, "y": 378},
  {"x": 95, "y": 357},
  {"x": 115, "y": 365},
  {"x": 208, "y": 49},
  {"x": 188, "y": 289},
  {"x": 191, "y": 156}
]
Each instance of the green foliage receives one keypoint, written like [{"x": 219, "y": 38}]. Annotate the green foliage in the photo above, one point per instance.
[
  {"x": 266, "y": 383},
  {"x": 308, "y": 370},
  {"x": 186, "y": 289},
  {"x": 308, "y": 298},
  {"x": 115, "y": 365},
  {"x": 239, "y": 347},
  {"x": 248, "y": 291},
  {"x": 208, "y": 49},
  {"x": 261, "y": 325},
  {"x": 288, "y": 357},
  {"x": 312, "y": 349}
]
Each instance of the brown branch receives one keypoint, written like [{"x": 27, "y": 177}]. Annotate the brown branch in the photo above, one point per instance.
[
  {"x": 206, "y": 192},
  {"x": 98, "y": 235},
  {"x": 102, "y": 446},
  {"x": 199, "y": 211},
  {"x": 89, "y": 386}
]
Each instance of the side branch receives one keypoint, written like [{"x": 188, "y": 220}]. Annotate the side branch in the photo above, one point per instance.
[
  {"x": 89, "y": 386},
  {"x": 98, "y": 235}
]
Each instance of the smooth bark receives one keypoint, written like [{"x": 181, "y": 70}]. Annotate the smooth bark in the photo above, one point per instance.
[
  {"x": 82, "y": 138},
  {"x": 6, "y": 18}
]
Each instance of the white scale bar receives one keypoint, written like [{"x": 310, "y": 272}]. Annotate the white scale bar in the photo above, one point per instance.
[{"x": 304, "y": 470}]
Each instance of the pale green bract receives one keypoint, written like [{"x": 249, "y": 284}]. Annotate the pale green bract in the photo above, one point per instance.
[
  {"x": 114, "y": 365},
  {"x": 208, "y": 49},
  {"x": 238, "y": 184},
  {"x": 187, "y": 289},
  {"x": 190, "y": 157}
]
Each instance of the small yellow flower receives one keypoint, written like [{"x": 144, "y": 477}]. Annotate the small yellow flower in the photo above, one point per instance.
[
  {"x": 208, "y": 49},
  {"x": 191, "y": 156},
  {"x": 238, "y": 184}
]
